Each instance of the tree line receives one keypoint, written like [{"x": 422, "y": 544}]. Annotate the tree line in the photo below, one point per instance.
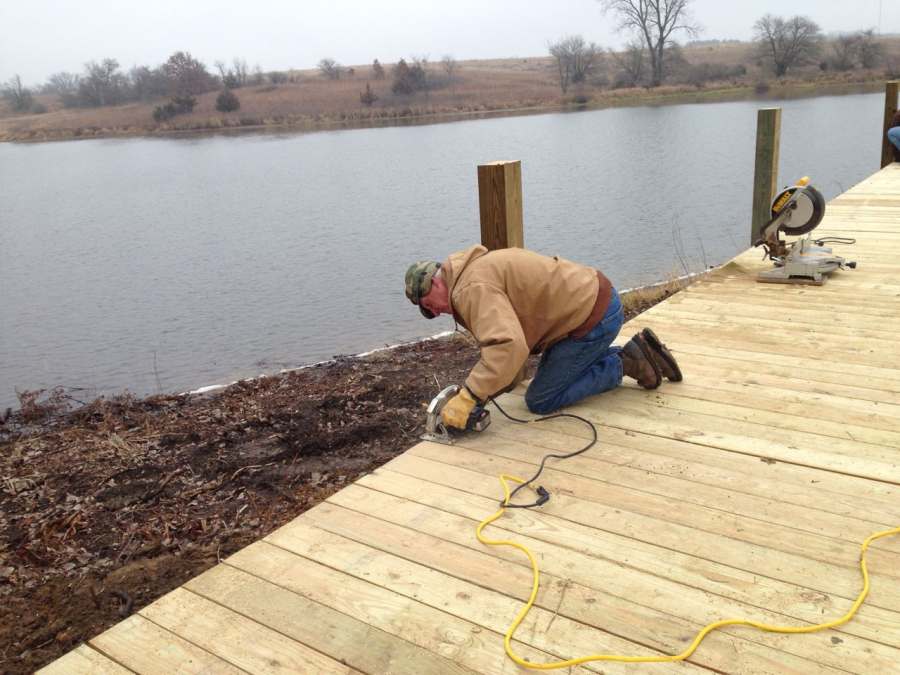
[
  {"x": 181, "y": 78},
  {"x": 652, "y": 55}
]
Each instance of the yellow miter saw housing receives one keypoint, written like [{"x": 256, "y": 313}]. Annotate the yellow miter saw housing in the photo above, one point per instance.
[{"x": 796, "y": 211}]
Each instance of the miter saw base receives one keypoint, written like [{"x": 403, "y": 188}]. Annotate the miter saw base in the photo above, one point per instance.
[
  {"x": 805, "y": 263},
  {"x": 797, "y": 210}
]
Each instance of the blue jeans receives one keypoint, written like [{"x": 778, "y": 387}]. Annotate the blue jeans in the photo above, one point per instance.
[
  {"x": 573, "y": 369},
  {"x": 894, "y": 136}
]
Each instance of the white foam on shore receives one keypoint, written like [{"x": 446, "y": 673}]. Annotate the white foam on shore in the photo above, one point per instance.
[{"x": 215, "y": 387}]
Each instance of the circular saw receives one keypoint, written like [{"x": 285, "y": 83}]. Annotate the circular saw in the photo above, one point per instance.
[
  {"x": 797, "y": 210},
  {"x": 479, "y": 418}
]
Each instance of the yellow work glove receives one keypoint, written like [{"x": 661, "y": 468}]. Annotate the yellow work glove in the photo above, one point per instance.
[{"x": 457, "y": 410}]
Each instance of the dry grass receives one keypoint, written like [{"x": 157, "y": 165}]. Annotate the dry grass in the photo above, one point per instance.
[
  {"x": 481, "y": 86},
  {"x": 310, "y": 99}
]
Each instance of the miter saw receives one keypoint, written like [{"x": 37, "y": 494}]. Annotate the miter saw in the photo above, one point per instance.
[
  {"x": 479, "y": 418},
  {"x": 797, "y": 210}
]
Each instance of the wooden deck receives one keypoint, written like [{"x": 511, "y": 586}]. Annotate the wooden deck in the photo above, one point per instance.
[{"x": 744, "y": 491}]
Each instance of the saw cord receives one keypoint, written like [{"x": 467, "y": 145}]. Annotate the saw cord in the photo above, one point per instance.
[{"x": 543, "y": 497}]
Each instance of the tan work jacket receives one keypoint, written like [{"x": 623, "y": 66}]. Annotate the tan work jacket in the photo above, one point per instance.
[{"x": 516, "y": 302}]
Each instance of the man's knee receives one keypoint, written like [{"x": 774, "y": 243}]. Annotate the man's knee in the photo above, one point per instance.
[
  {"x": 539, "y": 405},
  {"x": 894, "y": 136}
]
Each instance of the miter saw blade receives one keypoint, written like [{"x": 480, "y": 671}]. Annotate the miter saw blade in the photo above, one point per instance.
[{"x": 806, "y": 209}]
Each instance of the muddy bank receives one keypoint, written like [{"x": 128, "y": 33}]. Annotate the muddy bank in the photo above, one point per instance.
[{"x": 105, "y": 507}]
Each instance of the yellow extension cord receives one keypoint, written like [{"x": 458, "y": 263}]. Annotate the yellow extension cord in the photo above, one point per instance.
[{"x": 507, "y": 641}]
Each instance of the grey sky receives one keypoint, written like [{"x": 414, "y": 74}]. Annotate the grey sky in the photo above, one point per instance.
[{"x": 40, "y": 37}]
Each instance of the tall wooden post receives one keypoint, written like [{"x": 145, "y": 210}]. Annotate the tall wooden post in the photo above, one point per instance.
[
  {"x": 890, "y": 107},
  {"x": 500, "y": 204},
  {"x": 765, "y": 176}
]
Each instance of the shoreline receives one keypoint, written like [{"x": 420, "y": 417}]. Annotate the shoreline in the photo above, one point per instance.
[
  {"x": 644, "y": 295},
  {"x": 210, "y": 388},
  {"x": 680, "y": 281},
  {"x": 344, "y": 120}
]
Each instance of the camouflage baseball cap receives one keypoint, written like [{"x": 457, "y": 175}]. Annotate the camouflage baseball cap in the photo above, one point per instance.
[{"x": 418, "y": 279}]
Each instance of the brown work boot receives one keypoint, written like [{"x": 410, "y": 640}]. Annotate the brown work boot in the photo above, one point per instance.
[
  {"x": 638, "y": 363},
  {"x": 664, "y": 359}
]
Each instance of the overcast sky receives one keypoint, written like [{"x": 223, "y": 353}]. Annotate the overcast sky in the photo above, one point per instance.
[{"x": 39, "y": 37}]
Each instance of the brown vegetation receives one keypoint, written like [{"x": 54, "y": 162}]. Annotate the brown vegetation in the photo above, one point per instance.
[{"x": 310, "y": 100}]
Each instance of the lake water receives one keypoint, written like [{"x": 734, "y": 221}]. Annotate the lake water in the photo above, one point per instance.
[{"x": 168, "y": 264}]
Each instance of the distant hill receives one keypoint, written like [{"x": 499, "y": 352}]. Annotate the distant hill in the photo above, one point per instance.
[{"x": 699, "y": 70}]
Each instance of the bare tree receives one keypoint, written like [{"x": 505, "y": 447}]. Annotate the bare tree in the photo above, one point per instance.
[
  {"x": 654, "y": 22},
  {"x": 787, "y": 43},
  {"x": 871, "y": 51},
  {"x": 331, "y": 68},
  {"x": 241, "y": 71},
  {"x": 856, "y": 49},
  {"x": 563, "y": 65},
  {"x": 844, "y": 51},
  {"x": 62, "y": 83},
  {"x": 234, "y": 77},
  {"x": 450, "y": 66},
  {"x": 675, "y": 63},
  {"x": 18, "y": 95},
  {"x": 584, "y": 58},
  {"x": 574, "y": 59},
  {"x": 102, "y": 84},
  {"x": 418, "y": 71},
  {"x": 186, "y": 75},
  {"x": 632, "y": 62},
  {"x": 147, "y": 84}
]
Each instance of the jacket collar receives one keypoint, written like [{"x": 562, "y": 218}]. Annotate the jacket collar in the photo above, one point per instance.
[
  {"x": 456, "y": 263},
  {"x": 452, "y": 270}
]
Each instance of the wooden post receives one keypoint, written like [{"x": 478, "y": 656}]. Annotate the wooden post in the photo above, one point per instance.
[
  {"x": 765, "y": 176},
  {"x": 500, "y": 204},
  {"x": 890, "y": 107}
]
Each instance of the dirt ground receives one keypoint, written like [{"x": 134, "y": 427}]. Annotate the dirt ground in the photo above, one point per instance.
[{"x": 107, "y": 506}]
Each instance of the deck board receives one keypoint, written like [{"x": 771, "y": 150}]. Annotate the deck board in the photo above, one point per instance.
[{"x": 742, "y": 492}]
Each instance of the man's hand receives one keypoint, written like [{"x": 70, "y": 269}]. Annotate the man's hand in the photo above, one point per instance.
[{"x": 457, "y": 410}]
